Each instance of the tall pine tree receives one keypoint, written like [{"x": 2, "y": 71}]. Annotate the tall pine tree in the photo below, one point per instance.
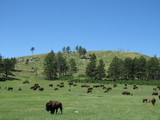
[
  {"x": 100, "y": 74},
  {"x": 50, "y": 66}
]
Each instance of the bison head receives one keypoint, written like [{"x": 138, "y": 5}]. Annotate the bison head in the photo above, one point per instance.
[{"x": 48, "y": 106}]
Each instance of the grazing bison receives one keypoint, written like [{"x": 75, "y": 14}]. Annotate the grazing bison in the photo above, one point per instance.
[
  {"x": 109, "y": 88},
  {"x": 154, "y": 89},
  {"x": 41, "y": 89},
  {"x": 155, "y": 93},
  {"x": 150, "y": 100},
  {"x": 50, "y": 85},
  {"x": 105, "y": 91},
  {"x": 135, "y": 87},
  {"x": 31, "y": 87},
  {"x": 145, "y": 100},
  {"x": 19, "y": 89},
  {"x": 126, "y": 93},
  {"x": 89, "y": 91},
  {"x": 53, "y": 105},
  {"x": 61, "y": 86},
  {"x": 70, "y": 83},
  {"x": 115, "y": 85},
  {"x": 84, "y": 86},
  {"x": 153, "y": 101},
  {"x": 95, "y": 86},
  {"x": 55, "y": 88},
  {"x": 125, "y": 84},
  {"x": 26, "y": 82},
  {"x": 10, "y": 88},
  {"x": 159, "y": 96},
  {"x": 62, "y": 83}
]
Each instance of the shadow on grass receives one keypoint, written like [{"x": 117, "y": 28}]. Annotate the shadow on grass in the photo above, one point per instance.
[{"x": 3, "y": 79}]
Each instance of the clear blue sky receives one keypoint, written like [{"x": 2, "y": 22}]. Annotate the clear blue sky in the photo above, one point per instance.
[{"x": 132, "y": 25}]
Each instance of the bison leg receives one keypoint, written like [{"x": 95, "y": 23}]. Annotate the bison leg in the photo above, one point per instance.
[
  {"x": 56, "y": 110},
  {"x": 61, "y": 109},
  {"x": 52, "y": 111}
]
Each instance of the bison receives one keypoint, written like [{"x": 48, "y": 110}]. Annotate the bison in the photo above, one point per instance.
[
  {"x": 41, "y": 89},
  {"x": 153, "y": 101},
  {"x": 55, "y": 88},
  {"x": 53, "y": 105},
  {"x": 50, "y": 85},
  {"x": 19, "y": 89},
  {"x": 145, "y": 100},
  {"x": 84, "y": 86},
  {"x": 154, "y": 89},
  {"x": 155, "y": 93},
  {"x": 10, "y": 88}
]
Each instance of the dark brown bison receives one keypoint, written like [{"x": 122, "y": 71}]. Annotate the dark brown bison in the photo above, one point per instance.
[
  {"x": 153, "y": 101},
  {"x": 84, "y": 86},
  {"x": 70, "y": 83},
  {"x": 53, "y": 105},
  {"x": 95, "y": 86},
  {"x": 108, "y": 88},
  {"x": 62, "y": 83},
  {"x": 19, "y": 89},
  {"x": 135, "y": 87},
  {"x": 126, "y": 93},
  {"x": 90, "y": 88},
  {"x": 31, "y": 87},
  {"x": 89, "y": 91},
  {"x": 61, "y": 86},
  {"x": 125, "y": 87},
  {"x": 10, "y": 88},
  {"x": 155, "y": 93},
  {"x": 154, "y": 89},
  {"x": 115, "y": 85},
  {"x": 144, "y": 100},
  {"x": 50, "y": 85},
  {"x": 159, "y": 96},
  {"x": 26, "y": 82},
  {"x": 125, "y": 84},
  {"x": 41, "y": 89},
  {"x": 55, "y": 88}
]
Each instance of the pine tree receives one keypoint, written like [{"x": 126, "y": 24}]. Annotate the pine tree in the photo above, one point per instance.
[
  {"x": 50, "y": 66},
  {"x": 32, "y": 49},
  {"x": 62, "y": 67},
  {"x": 153, "y": 68},
  {"x": 141, "y": 68},
  {"x": 116, "y": 68},
  {"x": 91, "y": 66},
  {"x": 100, "y": 74},
  {"x": 72, "y": 66}
]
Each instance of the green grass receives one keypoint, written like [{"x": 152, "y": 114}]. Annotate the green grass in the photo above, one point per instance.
[{"x": 30, "y": 105}]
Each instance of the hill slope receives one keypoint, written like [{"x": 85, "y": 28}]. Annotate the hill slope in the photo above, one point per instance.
[{"x": 36, "y": 61}]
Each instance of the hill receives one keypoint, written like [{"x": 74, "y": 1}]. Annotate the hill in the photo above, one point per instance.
[{"x": 36, "y": 61}]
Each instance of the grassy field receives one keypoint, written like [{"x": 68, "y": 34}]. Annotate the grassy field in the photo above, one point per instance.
[{"x": 30, "y": 105}]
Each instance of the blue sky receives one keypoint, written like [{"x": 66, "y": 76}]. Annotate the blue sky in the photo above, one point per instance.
[{"x": 132, "y": 25}]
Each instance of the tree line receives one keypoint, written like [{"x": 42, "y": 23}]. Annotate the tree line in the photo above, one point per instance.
[
  {"x": 134, "y": 69},
  {"x": 56, "y": 66},
  {"x": 7, "y": 65}
]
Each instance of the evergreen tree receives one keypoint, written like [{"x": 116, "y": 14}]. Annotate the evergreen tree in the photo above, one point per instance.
[
  {"x": 91, "y": 66},
  {"x": 100, "y": 74},
  {"x": 64, "y": 49},
  {"x": 77, "y": 48},
  {"x": 62, "y": 67},
  {"x": 116, "y": 68},
  {"x": 8, "y": 66},
  {"x": 50, "y": 66},
  {"x": 72, "y": 66},
  {"x": 68, "y": 50},
  {"x": 127, "y": 68},
  {"x": 141, "y": 68},
  {"x": 153, "y": 69},
  {"x": 80, "y": 50},
  {"x": 32, "y": 49},
  {"x": 1, "y": 65},
  {"x": 84, "y": 51}
]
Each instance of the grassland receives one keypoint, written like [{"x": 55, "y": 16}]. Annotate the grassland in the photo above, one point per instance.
[{"x": 30, "y": 105}]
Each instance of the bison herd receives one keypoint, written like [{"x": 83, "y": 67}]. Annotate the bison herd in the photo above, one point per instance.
[{"x": 53, "y": 105}]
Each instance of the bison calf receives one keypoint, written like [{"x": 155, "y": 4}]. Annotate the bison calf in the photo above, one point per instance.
[
  {"x": 145, "y": 100},
  {"x": 53, "y": 105}
]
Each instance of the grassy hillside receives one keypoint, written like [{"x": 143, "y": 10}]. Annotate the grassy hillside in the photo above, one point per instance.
[{"x": 107, "y": 56}]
